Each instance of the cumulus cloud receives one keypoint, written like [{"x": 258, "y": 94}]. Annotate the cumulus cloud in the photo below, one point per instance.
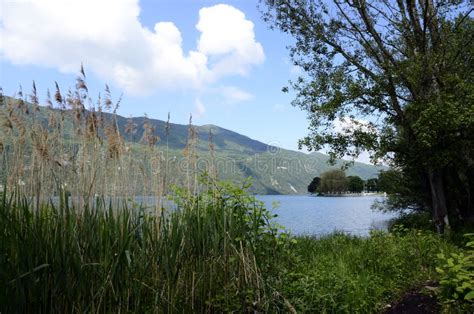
[
  {"x": 109, "y": 39},
  {"x": 229, "y": 36}
]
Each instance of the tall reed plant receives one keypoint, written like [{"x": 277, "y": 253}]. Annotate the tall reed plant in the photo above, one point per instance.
[
  {"x": 216, "y": 251},
  {"x": 75, "y": 145}
]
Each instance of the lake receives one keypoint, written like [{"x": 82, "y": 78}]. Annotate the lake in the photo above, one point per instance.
[
  {"x": 319, "y": 215},
  {"x": 314, "y": 215}
]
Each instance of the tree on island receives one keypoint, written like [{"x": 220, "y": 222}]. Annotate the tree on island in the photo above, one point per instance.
[
  {"x": 355, "y": 184},
  {"x": 314, "y": 185},
  {"x": 394, "y": 78},
  {"x": 372, "y": 185},
  {"x": 333, "y": 182}
]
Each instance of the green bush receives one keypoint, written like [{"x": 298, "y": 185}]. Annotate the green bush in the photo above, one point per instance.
[{"x": 456, "y": 271}]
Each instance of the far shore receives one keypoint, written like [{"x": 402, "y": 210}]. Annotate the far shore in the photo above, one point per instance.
[{"x": 351, "y": 194}]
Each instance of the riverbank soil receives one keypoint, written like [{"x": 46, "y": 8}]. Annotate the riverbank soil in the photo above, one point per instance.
[{"x": 415, "y": 302}]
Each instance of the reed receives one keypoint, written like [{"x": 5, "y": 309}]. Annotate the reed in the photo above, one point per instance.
[
  {"x": 74, "y": 146},
  {"x": 213, "y": 252}
]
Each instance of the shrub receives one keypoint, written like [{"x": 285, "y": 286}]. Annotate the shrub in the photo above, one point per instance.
[{"x": 456, "y": 271}]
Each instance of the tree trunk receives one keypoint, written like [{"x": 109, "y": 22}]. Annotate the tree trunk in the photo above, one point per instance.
[
  {"x": 438, "y": 200},
  {"x": 470, "y": 193}
]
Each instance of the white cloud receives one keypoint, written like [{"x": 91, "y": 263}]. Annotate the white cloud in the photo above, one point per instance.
[
  {"x": 109, "y": 39},
  {"x": 229, "y": 36},
  {"x": 364, "y": 157},
  {"x": 234, "y": 94}
]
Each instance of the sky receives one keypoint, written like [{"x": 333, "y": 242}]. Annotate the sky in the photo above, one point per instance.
[{"x": 216, "y": 60}]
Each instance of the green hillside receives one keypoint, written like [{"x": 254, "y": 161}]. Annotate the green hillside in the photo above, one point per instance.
[{"x": 272, "y": 170}]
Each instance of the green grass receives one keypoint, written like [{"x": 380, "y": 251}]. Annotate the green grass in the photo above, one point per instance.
[
  {"x": 213, "y": 253},
  {"x": 217, "y": 252},
  {"x": 344, "y": 274}
]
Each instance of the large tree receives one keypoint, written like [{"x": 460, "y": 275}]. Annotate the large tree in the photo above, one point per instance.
[
  {"x": 355, "y": 184},
  {"x": 392, "y": 77},
  {"x": 314, "y": 185},
  {"x": 372, "y": 185},
  {"x": 333, "y": 182}
]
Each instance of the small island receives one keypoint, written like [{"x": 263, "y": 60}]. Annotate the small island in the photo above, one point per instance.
[{"x": 334, "y": 182}]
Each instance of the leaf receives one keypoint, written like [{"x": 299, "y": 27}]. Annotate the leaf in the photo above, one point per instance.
[
  {"x": 127, "y": 255},
  {"x": 469, "y": 296},
  {"x": 30, "y": 272}
]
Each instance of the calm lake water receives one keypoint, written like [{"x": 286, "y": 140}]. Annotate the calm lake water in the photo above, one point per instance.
[{"x": 318, "y": 215}]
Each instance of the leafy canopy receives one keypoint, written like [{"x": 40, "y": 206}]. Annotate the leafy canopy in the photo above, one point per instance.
[{"x": 391, "y": 77}]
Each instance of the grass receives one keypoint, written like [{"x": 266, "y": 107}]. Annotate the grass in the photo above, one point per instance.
[
  {"x": 344, "y": 274},
  {"x": 216, "y": 252}
]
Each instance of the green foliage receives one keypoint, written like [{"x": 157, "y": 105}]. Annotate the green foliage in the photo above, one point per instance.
[
  {"x": 355, "y": 184},
  {"x": 456, "y": 271},
  {"x": 372, "y": 185},
  {"x": 215, "y": 252},
  {"x": 396, "y": 79},
  {"x": 345, "y": 274},
  {"x": 403, "y": 191},
  {"x": 218, "y": 251},
  {"x": 314, "y": 185},
  {"x": 413, "y": 220},
  {"x": 333, "y": 181}
]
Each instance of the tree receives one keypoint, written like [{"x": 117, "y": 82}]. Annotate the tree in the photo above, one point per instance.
[
  {"x": 333, "y": 182},
  {"x": 394, "y": 78},
  {"x": 372, "y": 185},
  {"x": 314, "y": 185},
  {"x": 355, "y": 184},
  {"x": 402, "y": 191}
]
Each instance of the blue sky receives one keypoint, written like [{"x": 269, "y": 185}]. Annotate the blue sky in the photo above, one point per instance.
[{"x": 217, "y": 60}]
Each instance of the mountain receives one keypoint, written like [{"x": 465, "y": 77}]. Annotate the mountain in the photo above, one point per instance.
[{"x": 273, "y": 170}]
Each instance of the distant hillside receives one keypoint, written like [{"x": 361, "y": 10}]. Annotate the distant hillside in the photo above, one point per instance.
[{"x": 273, "y": 170}]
